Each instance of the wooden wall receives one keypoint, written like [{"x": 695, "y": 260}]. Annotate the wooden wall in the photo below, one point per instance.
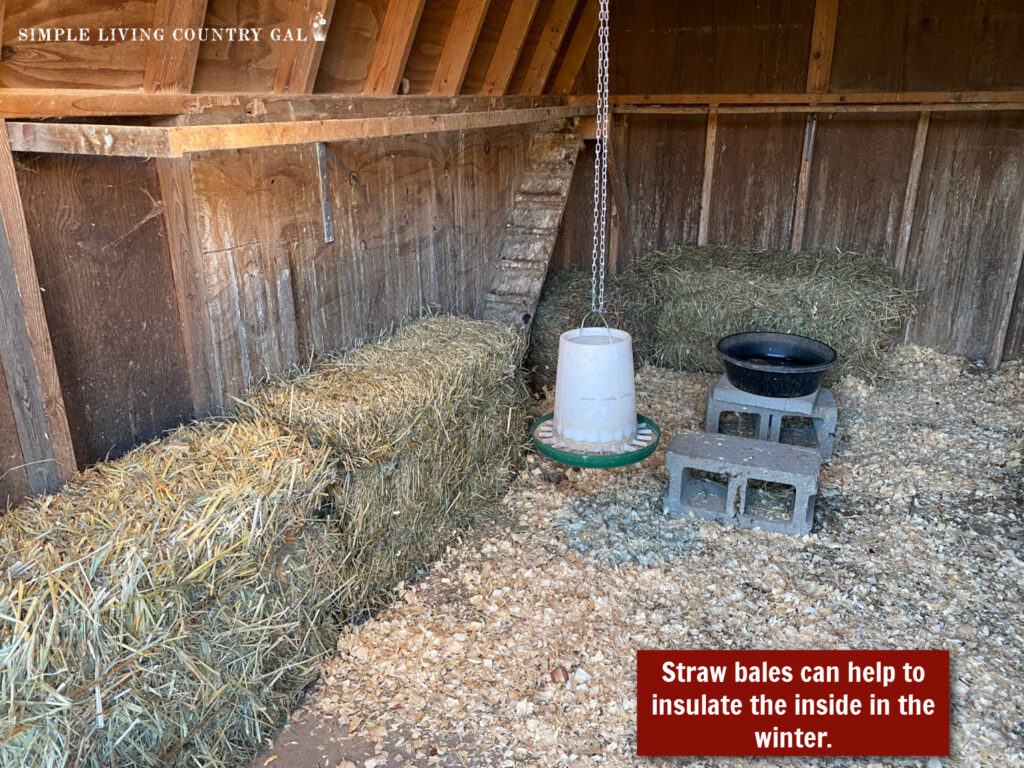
[
  {"x": 962, "y": 238},
  {"x": 418, "y": 224}
]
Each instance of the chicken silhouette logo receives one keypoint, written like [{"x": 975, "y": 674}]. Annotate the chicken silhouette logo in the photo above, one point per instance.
[{"x": 319, "y": 27}]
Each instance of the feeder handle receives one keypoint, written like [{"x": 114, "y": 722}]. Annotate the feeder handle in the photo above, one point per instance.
[{"x": 600, "y": 314}]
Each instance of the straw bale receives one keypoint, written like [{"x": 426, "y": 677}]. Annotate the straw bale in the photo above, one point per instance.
[
  {"x": 677, "y": 303},
  {"x": 427, "y": 429},
  {"x": 168, "y": 607}
]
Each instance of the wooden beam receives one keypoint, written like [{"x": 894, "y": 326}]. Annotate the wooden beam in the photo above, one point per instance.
[
  {"x": 147, "y": 141},
  {"x": 458, "y": 47},
  {"x": 918, "y": 98},
  {"x": 29, "y": 366},
  {"x": 803, "y": 185},
  {"x": 804, "y": 109},
  {"x": 24, "y": 104},
  {"x": 710, "y": 140},
  {"x": 186, "y": 253},
  {"x": 170, "y": 63},
  {"x": 823, "y": 40},
  {"x": 1007, "y": 298},
  {"x": 544, "y": 54},
  {"x": 397, "y": 33},
  {"x": 299, "y": 60},
  {"x": 910, "y": 195},
  {"x": 510, "y": 45},
  {"x": 580, "y": 45}
]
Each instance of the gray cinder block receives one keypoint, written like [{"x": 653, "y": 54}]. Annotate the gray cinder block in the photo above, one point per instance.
[
  {"x": 740, "y": 459},
  {"x": 768, "y": 412}
]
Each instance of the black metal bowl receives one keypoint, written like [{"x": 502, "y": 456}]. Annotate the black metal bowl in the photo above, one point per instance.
[{"x": 775, "y": 364}]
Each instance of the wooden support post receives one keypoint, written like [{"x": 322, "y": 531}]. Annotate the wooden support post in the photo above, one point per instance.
[
  {"x": 299, "y": 61},
  {"x": 458, "y": 47},
  {"x": 547, "y": 47},
  {"x": 910, "y": 196},
  {"x": 1007, "y": 298},
  {"x": 170, "y": 63},
  {"x": 823, "y": 40},
  {"x": 803, "y": 186},
  {"x": 186, "y": 253},
  {"x": 580, "y": 44},
  {"x": 397, "y": 32},
  {"x": 31, "y": 372},
  {"x": 510, "y": 44},
  {"x": 709, "y": 177}
]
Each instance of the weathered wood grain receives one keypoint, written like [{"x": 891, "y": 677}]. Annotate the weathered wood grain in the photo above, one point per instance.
[
  {"x": 858, "y": 179},
  {"x": 89, "y": 64},
  {"x": 926, "y": 45},
  {"x": 428, "y": 43},
  {"x": 171, "y": 64},
  {"x": 397, "y": 32},
  {"x": 351, "y": 41},
  {"x": 32, "y": 381},
  {"x": 458, "y": 47},
  {"x": 966, "y": 230},
  {"x": 97, "y": 229},
  {"x": 247, "y": 66},
  {"x": 757, "y": 164},
  {"x": 708, "y": 180},
  {"x": 299, "y": 60},
  {"x": 542, "y": 59},
  {"x": 509, "y": 46},
  {"x": 823, "y": 38},
  {"x": 582, "y": 44},
  {"x": 13, "y": 479}
]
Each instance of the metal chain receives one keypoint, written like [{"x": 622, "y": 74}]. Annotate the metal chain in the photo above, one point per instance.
[{"x": 597, "y": 267}]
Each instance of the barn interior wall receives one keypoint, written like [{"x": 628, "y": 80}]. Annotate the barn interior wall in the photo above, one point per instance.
[
  {"x": 966, "y": 225},
  {"x": 418, "y": 224}
]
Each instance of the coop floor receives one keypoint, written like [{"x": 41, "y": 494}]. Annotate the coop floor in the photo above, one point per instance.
[{"x": 917, "y": 544}]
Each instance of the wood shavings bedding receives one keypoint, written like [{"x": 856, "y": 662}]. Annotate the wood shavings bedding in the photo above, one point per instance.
[{"x": 519, "y": 649}]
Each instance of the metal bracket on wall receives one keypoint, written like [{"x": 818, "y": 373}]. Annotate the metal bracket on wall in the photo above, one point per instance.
[{"x": 325, "y": 191}]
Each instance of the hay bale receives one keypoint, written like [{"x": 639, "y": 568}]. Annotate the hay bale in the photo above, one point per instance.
[
  {"x": 677, "y": 303},
  {"x": 426, "y": 427},
  {"x": 168, "y": 607}
]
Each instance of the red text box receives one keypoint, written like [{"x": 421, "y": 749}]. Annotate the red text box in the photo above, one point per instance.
[{"x": 792, "y": 703}]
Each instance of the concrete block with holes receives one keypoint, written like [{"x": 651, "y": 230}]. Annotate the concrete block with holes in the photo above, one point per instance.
[
  {"x": 740, "y": 460},
  {"x": 769, "y": 412}
]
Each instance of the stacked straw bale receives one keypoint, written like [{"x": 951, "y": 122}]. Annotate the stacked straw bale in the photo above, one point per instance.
[
  {"x": 677, "y": 303},
  {"x": 170, "y": 607},
  {"x": 427, "y": 428}
]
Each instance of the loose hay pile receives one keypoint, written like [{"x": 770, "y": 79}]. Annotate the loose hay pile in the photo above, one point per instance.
[
  {"x": 679, "y": 302},
  {"x": 171, "y": 606},
  {"x": 426, "y": 426}
]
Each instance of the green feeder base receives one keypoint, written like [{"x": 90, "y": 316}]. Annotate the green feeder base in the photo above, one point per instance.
[{"x": 598, "y": 460}]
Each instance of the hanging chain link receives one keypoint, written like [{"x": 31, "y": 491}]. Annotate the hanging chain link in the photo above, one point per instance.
[{"x": 597, "y": 267}]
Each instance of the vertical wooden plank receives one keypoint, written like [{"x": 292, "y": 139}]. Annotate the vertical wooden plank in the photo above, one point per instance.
[
  {"x": 544, "y": 55},
  {"x": 23, "y": 388},
  {"x": 299, "y": 60},
  {"x": 620, "y": 245},
  {"x": 186, "y": 254},
  {"x": 458, "y": 47},
  {"x": 910, "y": 196},
  {"x": 1007, "y": 298},
  {"x": 823, "y": 39},
  {"x": 803, "y": 185},
  {"x": 13, "y": 478},
  {"x": 709, "y": 177},
  {"x": 170, "y": 63},
  {"x": 393, "y": 46},
  {"x": 510, "y": 44},
  {"x": 351, "y": 40},
  {"x": 580, "y": 45},
  {"x": 32, "y": 381},
  {"x": 966, "y": 237}
]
